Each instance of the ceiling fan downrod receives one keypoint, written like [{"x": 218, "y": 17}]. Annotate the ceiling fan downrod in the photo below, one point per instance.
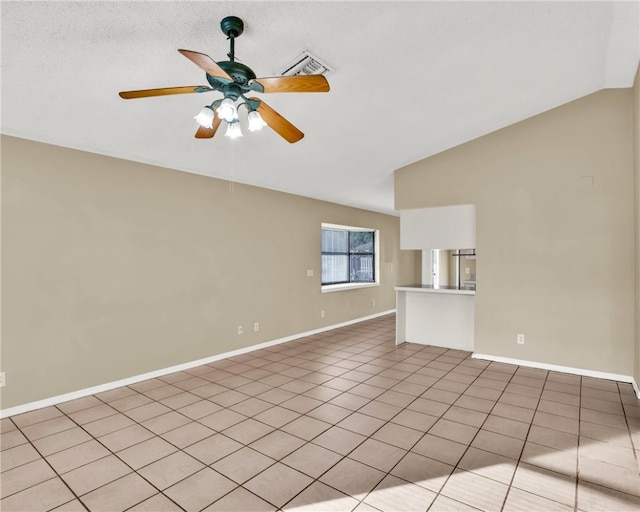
[{"x": 232, "y": 27}]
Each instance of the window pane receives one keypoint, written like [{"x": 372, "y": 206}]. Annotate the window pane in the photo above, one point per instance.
[
  {"x": 361, "y": 268},
  {"x": 361, "y": 241},
  {"x": 335, "y": 268},
  {"x": 334, "y": 240},
  {"x": 348, "y": 256}
]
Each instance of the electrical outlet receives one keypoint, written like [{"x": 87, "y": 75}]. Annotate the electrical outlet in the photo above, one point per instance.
[
  {"x": 256, "y": 326},
  {"x": 520, "y": 339},
  {"x": 322, "y": 313},
  {"x": 240, "y": 329},
  {"x": 309, "y": 272},
  {"x": 3, "y": 379},
  {"x": 373, "y": 302},
  {"x": 467, "y": 270}
]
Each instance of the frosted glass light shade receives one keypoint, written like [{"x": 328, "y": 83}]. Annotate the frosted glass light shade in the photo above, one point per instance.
[
  {"x": 256, "y": 123},
  {"x": 233, "y": 130},
  {"x": 205, "y": 117},
  {"x": 227, "y": 110}
]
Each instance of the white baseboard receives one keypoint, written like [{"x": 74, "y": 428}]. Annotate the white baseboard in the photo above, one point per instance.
[
  {"x": 563, "y": 369},
  {"x": 19, "y": 409}
]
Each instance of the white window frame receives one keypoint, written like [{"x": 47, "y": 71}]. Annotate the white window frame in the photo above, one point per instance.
[{"x": 326, "y": 288}]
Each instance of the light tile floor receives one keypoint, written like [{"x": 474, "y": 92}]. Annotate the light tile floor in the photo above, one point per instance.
[{"x": 342, "y": 420}]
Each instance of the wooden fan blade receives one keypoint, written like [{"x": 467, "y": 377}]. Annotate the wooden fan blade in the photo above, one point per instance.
[
  {"x": 127, "y": 95},
  {"x": 299, "y": 83},
  {"x": 206, "y": 63},
  {"x": 207, "y": 133},
  {"x": 278, "y": 123}
]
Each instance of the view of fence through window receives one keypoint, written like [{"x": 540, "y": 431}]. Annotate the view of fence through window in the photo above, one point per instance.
[{"x": 347, "y": 256}]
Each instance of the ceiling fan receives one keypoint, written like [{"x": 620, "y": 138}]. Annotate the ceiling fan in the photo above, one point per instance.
[{"x": 235, "y": 81}]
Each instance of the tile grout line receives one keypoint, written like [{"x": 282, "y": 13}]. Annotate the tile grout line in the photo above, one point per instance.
[
  {"x": 95, "y": 438},
  {"x": 626, "y": 420},
  {"x": 476, "y": 434},
  {"x": 575, "y": 501},
  {"x": 317, "y": 479},
  {"x": 437, "y": 494},
  {"x": 405, "y": 408},
  {"x": 135, "y": 471},
  {"x": 30, "y": 442},
  {"x": 524, "y": 444}
]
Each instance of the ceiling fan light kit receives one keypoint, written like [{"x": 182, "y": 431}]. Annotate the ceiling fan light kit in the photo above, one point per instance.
[{"x": 234, "y": 80}]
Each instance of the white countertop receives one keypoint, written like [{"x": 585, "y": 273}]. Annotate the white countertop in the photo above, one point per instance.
[{"x": 428, "y": 288}]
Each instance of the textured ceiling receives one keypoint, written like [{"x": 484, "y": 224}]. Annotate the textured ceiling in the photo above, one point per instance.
[{"x": 410, "y": 79}]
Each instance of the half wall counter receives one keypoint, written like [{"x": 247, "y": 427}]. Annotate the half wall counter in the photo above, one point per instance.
[{"x": 442, "y": 316}]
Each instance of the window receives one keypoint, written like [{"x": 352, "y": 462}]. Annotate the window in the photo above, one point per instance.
[{"x": 348, "y": 256}]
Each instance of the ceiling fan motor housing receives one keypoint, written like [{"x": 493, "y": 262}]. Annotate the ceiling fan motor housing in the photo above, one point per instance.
[{"x": 240, "y": 73}]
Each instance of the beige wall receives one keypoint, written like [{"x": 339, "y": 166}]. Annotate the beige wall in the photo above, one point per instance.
[
  {"x": 636, "y": 165},
  {"x": 112, "y": 268},
  {"x": 555, "y": 254}
]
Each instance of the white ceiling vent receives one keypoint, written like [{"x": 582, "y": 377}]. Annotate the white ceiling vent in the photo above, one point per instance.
[{"x": 305, "y": 64}]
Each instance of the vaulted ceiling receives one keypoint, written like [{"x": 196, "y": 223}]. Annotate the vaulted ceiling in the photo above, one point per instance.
[{"x": 409, "y": 80}]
